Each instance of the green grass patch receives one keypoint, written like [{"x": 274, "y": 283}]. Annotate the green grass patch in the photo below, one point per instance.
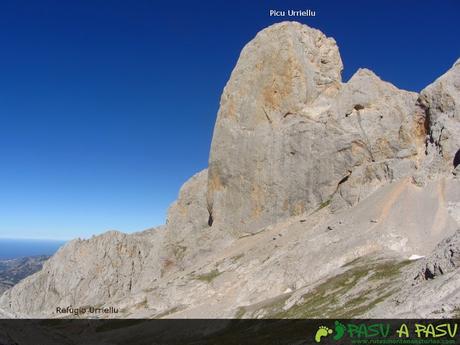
[
  {"x": 456, "y": 313},
  {"x": 240, "y": 313},
  {"x": 388, "y": 270},
  {"x": 179, "y": 251},
  {"x": 143, "y": 304},
  {"x": 323, "y": 299},
  {"x": 361, "y": 304},
  {"x": 323, "y": 205},
  {"x": 236, "y": 257},
  {"x": 270, "y": 306},
  {"x": 341, "y": 297},
  {"x": 209, "y": 277}
]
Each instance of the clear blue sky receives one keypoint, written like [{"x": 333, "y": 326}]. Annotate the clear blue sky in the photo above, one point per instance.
[{"x": 107, "y": 107}]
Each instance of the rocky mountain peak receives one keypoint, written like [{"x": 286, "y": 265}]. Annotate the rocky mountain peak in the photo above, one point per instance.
[{"x": 289, "y": 131}]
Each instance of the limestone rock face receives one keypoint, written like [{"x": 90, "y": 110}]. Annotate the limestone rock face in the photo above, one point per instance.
[
  {"x": 288, "y": 132},
  {"x": 445, "y": 258},
  {"x": 188, "y": 234},
  {"x": 114, "y": 265},
  {"x": 252, "y": 167},
  {"x": 89, "y": 272},
  {"x": 380, "y": 136},
  {"x": 441, "y": 103},
  {"x": 189, "y": 212}
]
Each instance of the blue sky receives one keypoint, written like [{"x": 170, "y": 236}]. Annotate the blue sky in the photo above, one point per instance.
[{"x": 107, "y": 107}]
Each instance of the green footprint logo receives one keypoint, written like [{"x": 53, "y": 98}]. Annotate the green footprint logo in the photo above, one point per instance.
[
  {"x": 322, "y": 331},
  {"x": 339, "y": 330}
]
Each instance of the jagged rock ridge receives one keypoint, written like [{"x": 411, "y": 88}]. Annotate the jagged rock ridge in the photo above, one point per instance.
[{"x": 306, "y": 174}]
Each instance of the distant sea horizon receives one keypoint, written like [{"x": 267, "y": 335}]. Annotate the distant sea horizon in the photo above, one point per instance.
[{"x": 11, "y": 248}]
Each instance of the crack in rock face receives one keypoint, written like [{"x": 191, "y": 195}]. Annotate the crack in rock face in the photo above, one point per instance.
[{"x": 456, "y": 161}]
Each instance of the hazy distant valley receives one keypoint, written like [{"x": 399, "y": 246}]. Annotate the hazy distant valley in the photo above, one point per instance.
[{"x": 14, "y": 270}]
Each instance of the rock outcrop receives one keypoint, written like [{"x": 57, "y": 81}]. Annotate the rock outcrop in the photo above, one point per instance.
[
  {"x": 259, "y": 166},
  {"x": 444, "y": 259},
  {"x": 441, "y": 103},
  {"x": 311, "y": 181},
  {"x": 289, "y": 132},
  {"x": 90, "y": 272}
]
